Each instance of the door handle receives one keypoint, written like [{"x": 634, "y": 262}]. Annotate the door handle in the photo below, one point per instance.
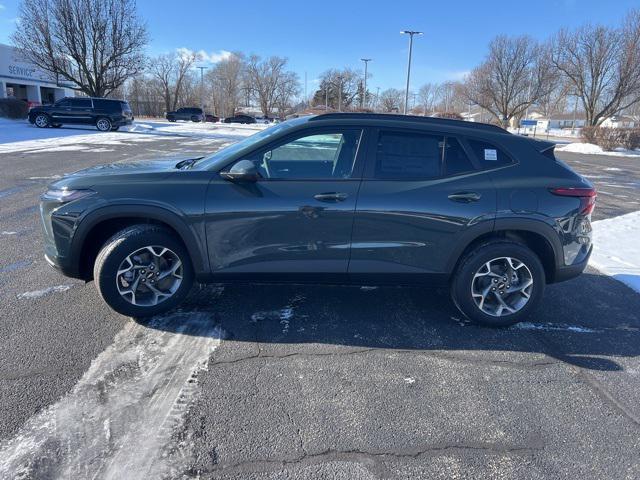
[
  {"x": 465, "y": 197},
  {"x": 331, "y": 197}
]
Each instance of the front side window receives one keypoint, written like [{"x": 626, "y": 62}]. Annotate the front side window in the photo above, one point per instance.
[
  {"x": 407, "y": 155},
  {"x": 318, "y": 156}
]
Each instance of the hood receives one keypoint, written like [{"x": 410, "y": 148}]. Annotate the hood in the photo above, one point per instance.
[{"x": 151, "y": 169}]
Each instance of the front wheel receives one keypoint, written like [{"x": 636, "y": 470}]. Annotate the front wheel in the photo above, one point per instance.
[
  {"x": 42, "y": 120},
  {"x": 143, "y": 270},
  {"x": 498, "y": 284},
  {"x": 103, "y": 124}
]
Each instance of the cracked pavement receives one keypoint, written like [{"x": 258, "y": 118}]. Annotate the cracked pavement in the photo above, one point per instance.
[{"x": 322, "y": 382}]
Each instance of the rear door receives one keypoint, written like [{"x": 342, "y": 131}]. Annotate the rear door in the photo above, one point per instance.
[
  {"x": 81, "y": 110},
  {"x": 297, "y": 219},
  {"x": 421, "y": 191}
]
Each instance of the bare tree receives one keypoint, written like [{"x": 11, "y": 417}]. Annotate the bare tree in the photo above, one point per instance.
[
  {"x": 602, "y": 65},
  {"x": 339, "y": 87},
  {"x": 226, "y": 80},
  {"x": 185, "y": 60},
  {"x": 264, "y": 77},
  {"x": 427, "y": 95},
  {"x": 96, "y": 44},
  {"x": 391, "y": 100},
  {"x": 514, "y": 75},
  {"x": 288, "y": 88}
]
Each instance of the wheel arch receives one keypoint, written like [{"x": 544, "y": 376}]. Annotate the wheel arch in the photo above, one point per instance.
[
  {"x": 98, "y": 226},
  {"x": 536, "y": 235}
]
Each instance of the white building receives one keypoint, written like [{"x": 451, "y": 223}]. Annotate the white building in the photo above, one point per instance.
[
  {"x": 618, "y": 121},
  {"x": 23, "y": 80}
]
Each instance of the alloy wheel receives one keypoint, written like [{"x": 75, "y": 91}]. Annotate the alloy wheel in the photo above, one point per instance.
[
  {"x": 502, "y": 286},
  {"x": 149, "y": 276},
  {"x": 42, "y": 121},
  {"x": 103, "y": 125}
]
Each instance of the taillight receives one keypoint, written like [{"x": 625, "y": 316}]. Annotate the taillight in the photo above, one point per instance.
[{"x": 587, "y": 197}]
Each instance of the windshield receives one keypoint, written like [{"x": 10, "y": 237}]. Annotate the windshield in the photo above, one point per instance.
[{"x": 220, "y": 158}]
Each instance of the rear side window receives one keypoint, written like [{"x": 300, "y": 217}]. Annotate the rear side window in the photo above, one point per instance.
[
  {"x": 81, "y": 102},
  {"x": 456, "y": 160},
  {"x": 403, "y": 155},
  {"x": 108, "y": 105},
  {"x": 488, "y": 154}
]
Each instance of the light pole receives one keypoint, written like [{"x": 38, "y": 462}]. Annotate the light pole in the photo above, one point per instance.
[
  {"x": 411, "y": 33},
  {"x": 363, "y": 102},
  {"x": 202, "y": 69}
]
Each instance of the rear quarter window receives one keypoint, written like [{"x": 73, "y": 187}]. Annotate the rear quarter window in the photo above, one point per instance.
[{"x": 488, "y": 154}]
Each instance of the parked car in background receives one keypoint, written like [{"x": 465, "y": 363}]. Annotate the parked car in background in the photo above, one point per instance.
[
  {"x": 337, "y": 198},
  {"x": 240, "y": 119},
  {"x": 193, "y": 114},
  {"x": 211, "y": 118},
  {"x": 105, "y": 113}
]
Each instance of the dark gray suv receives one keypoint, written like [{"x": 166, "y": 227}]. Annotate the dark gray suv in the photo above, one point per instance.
[{"x": 336, "y": 198}]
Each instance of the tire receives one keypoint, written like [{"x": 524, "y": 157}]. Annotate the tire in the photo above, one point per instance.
[
  {"x": 103, "y": 124},
  {"x": 42, "y": 120},
  {"x": 195, "y": 119},
  {"x": 495, "y": 255},
  {"x": 113, "y": 257}
]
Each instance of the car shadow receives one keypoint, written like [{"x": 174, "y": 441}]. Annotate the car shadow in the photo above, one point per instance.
[{"x": 589, "y": 322}]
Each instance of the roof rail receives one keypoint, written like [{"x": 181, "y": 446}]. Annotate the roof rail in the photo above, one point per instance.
[{"x": 410, "y": 118}]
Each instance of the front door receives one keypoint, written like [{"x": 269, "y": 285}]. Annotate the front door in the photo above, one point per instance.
[
  {"x": 298, "y": 217},
  {"x": 420, "y": 192}
]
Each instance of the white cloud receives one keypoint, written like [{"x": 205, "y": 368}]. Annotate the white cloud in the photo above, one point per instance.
[
  {"x": 2, "y": 7},
  {"x": 203, "y": 56},
  {"x": 214, "y": 57}
]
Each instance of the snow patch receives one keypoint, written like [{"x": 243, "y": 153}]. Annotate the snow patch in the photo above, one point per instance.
[
  {"x": 41, "y": 293},
  {"x": 120, "y": 418},
  {"x": 615, "y": 248},
  {"x": 409, "y": 380},
  {"x": 553, "y": 327},
  {"x": 591, "y": 149},
  {"x": 9, "y": 232},
  {"x": 365, "y": 288}
]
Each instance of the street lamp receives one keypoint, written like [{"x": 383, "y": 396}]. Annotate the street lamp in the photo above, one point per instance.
[
  {"x": 411, "y": 33},
  {"x": 363, "y": 102},
  {"x": 202, "y": 69}
]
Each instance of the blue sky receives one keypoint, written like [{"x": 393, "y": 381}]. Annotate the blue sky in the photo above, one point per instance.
[{"x": 316, "y": 36}]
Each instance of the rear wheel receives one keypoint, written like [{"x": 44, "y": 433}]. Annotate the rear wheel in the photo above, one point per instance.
[
  {"x": 42, "y": 120},
  {"x": 498, "y": 284},
  {"x": 143, "y": 270},
  {"x": 103, "y": 124},
  {"x": 195, "y": 119}
]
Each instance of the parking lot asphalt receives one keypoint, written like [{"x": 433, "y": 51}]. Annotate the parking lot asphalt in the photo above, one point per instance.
[{"x": 311, "y": 381}]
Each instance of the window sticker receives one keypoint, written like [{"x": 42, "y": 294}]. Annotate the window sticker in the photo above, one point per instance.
[{"x": 490, "y": 154}]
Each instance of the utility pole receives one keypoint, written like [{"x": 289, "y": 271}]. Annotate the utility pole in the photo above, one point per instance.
[
  {"x": 305, "y": 89},
  {"x": 363, "y": 100},
  {"x": 411, "y": 33},
  {"x": 202, "y": 69}
]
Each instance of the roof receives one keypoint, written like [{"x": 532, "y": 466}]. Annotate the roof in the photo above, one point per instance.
[{"x": 445, "y": 122}]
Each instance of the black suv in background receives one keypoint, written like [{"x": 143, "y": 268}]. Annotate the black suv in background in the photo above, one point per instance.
[
  {"x": 105, "y": 113},
  {"x": 336, "y": 198},
  {"x": 187, "y": 113},
  {"x": 240, "y": 119}
]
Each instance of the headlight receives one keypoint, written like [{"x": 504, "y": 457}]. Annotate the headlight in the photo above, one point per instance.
[{"x": 65, "y": 196}]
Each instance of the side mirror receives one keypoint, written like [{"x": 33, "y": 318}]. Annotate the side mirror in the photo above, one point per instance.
[{"x": 242, "y": 171}]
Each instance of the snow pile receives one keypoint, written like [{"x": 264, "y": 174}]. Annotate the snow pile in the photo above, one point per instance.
[
  {"x": 20, "y": 136},
  {"x": 590, "y": 148},
  {"x": 616, "y": 251},
  {"x": 581, "y": 148}
]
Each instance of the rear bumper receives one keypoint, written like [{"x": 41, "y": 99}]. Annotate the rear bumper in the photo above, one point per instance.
[{"x": 567, "y": 272}]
